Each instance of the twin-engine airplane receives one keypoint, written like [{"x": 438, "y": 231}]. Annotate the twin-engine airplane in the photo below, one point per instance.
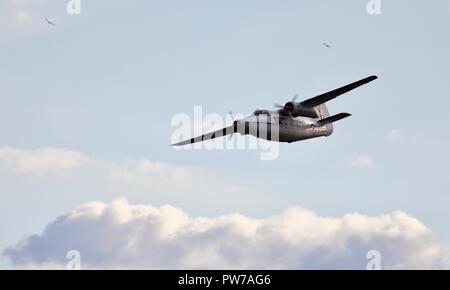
[{"x": 295, "y": 121}]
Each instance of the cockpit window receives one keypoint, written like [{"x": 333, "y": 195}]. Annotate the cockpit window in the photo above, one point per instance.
[{"x": 261, "y": 112}]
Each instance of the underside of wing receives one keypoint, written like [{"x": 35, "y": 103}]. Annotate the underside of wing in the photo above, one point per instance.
[
  {"x": 316, "y": 101},
  {"x": 209, "y": 136},
  {"x": 333, "y": 119}
]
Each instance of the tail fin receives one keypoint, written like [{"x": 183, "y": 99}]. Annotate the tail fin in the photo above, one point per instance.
[
  {"x": 332, "y": 119},
  {"x": 323, "y": 111}
]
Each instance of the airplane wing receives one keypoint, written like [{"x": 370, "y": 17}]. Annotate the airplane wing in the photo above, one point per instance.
[
  {"x": 316, "y": 101},
  {"x": 332, "y": 119},
  {"x": 212, "y": 135}
]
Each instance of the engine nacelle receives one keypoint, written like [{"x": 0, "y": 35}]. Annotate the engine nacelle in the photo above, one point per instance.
[{"x": 298, "y": 110}]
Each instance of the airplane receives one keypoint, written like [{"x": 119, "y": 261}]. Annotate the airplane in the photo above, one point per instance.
[{"x": 295, "y": 121}]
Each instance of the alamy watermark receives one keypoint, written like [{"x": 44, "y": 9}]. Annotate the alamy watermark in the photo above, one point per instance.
[
  {"x": 374, "y": 258},
  {"x": 220, "y": 129},
  {"x": 374, "y": 7},
  {"x": 74, "y": 258},
  {"x": 73, "y": 7}
]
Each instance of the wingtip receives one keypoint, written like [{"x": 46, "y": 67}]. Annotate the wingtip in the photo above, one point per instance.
[{"x": 182, "y": 143}]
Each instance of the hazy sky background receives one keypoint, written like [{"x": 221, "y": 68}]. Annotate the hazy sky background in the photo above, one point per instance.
[{"x": 107, "y": 83}]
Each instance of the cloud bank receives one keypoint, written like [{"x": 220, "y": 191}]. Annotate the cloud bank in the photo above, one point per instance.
[
  {"x": 123, "y": 235},
  {"x": 62, "y": 162},
  {"x": 40, "y": 160}
]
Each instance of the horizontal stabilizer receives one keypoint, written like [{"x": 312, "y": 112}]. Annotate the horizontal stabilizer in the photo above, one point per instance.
[
  {"x": 316, "y": 101},
  {"x": 332, "y": 119}
]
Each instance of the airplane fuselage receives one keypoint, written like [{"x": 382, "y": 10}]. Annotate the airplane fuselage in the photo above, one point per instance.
[{"x": 277, "y": 128}]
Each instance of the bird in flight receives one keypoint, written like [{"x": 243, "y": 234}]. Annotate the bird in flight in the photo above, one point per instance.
[
  {"x": 326, "y": 45},
  {"x": 49, "y": 22}
]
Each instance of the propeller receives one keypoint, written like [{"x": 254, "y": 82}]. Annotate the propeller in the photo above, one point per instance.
[
  {"x": 278, "y": 106},
  {"x": 289, "y": 106},
  {"x": 230, "y": 113}
]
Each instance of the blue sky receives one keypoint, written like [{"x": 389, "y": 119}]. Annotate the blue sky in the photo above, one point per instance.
[{"x": 107, "y": 83}]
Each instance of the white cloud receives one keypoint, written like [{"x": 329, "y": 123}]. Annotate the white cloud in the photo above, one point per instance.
[
  {"x": 361, "y": 161},
  {"x": 55, "y": 160},
  {"x": 393, "y": 135},
  {"x": 122, "y": 235},
  {"x": 48, "y": 159},
  {"x": 88, "y": 177},
  {"x": 23, "y": 17}
]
